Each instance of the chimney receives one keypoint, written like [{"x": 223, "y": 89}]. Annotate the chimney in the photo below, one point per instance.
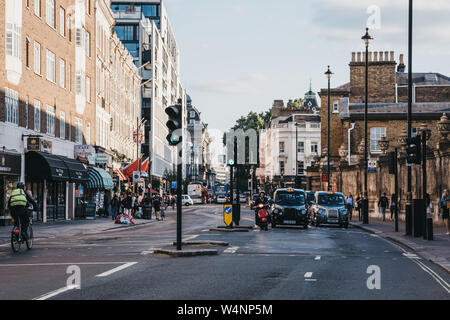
[
  {"x": 359, "y": 56},
  {"x": 353, "y": 56},
  {"x": 401, "y": 66},
  {"x": 375, "y": 56}
]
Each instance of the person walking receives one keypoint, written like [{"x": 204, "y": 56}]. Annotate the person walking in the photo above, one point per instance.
[
  {"x": 350, "y": 204},
  {"x": 115, "y": 204},
  {"x": 444, "y": 206},
  {"x": 393, "y": 205},
  {"x": 429, "y": 205},
  {"x": 358, "y": 205},
  {"x": 382, "y": 204},
  {"x": 127, "y": 204},
  {"x": 157, "y": 206}
]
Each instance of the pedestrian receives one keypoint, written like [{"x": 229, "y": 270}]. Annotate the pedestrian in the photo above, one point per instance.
[
  {"x": 173, "y": 202},
  {"x": 382, "y": 204},
  {"x": 444, "y": 206},
  {"x": 429, "y": 205},
  {"x": 393, "y": 205},
  {"x": 128, "y": 204},
  {"x": 115, "y": 204},
  {"x": 157, "y": 206},
  {"x": 350, "y": 204}
]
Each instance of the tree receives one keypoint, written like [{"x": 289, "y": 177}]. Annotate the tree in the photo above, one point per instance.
[{"x": 297, "y": 103}]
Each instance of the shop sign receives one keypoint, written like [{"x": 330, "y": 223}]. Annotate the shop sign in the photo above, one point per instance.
[
  {"x": 101, "y": 158},
  {"x": 83, "y": 151},
  {"x": 46, "y": 146},
  {"x": 33, "y": 144},
  {"x": 10, "y": 164}
]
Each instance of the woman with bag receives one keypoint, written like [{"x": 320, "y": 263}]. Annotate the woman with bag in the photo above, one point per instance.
[{"x": 444, "y": 206}]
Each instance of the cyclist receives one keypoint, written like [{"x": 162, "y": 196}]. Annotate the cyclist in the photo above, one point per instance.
[{"x": 18, "y": 205}]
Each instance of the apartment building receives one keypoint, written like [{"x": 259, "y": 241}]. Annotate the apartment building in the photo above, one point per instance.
[
  {"x": 118, "y": 97},
  {"x": 47, "y": 74},
  {"x": 145, "y": 30}
]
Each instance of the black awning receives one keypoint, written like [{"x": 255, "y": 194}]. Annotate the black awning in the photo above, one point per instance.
[
  {"x": 41, "y": 165},
  {"x": 77, "y": 171}
]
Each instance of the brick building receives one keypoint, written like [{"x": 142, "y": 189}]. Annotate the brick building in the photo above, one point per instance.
[{"x": 387, "y": 108}]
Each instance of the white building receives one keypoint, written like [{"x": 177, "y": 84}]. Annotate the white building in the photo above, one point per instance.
[{"x": 293, "y": 135}]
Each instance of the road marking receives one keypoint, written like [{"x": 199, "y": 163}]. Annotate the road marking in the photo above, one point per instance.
[
  {"x": 317, "y": 258},
  {"x": 436, "y": 277},
  {"x": 231, "y": 250},
  {"x": 55, "y": 293},
  {"x": 58, "y": 264},
  {"x": 191, "y": 237},
  {"x": 412, "y": 255},
  {"x": 107, "y": 273},
  {"x": 308, "y": 275}
]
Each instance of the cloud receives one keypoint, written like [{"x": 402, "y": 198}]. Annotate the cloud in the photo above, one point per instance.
[{"x": 238, "y": 10}]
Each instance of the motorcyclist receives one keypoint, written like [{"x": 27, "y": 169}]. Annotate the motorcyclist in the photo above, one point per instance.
[
  {"x": 18, "y": 205},
  {"x": 261, "y": 200}
]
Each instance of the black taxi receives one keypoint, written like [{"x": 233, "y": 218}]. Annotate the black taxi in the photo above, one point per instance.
[
  {"x": 329, "y": 208},
  {"x": 289, "y": 208}
]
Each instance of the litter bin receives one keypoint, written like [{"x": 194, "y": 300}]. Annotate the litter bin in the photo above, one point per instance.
[{"x": 147, "y": 214}]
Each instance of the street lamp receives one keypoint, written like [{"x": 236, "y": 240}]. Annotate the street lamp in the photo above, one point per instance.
[
  {"x": 366, "y": 38},
  {"x": 328, "y": 74},
  {"x": 296, "y": 154}
]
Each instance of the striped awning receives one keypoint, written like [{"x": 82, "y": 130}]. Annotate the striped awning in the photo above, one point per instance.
[
  {"x": 120, "y": 175},
  {"x": 99, "y": 179}
]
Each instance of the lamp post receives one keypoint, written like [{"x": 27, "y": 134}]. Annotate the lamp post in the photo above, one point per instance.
[
  {"x": 328, "y": 74},
  {"x": 366, "y": 38}
]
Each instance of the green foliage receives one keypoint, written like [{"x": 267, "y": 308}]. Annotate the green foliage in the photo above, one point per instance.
[
  {"x": 297, "y": 103},
  {"x": 253, "y": 120}
]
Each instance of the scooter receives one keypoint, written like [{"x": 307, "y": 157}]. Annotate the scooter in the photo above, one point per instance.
[{"x": 263, "y": 217}]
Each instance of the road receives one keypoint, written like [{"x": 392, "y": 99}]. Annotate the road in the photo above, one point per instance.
[{"x": 281, "y": 264}]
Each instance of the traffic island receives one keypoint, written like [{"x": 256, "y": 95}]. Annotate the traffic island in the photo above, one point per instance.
[
  {"x": 236, "y": 227},
  {"x": 229, "y": 229},
  {"x": 203, "y": 243},
  {"x": 186, "y": 253}
]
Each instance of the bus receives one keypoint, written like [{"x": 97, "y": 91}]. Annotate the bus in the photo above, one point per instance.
[
  {"x": 221, "y": 192},
  {"x": 195, "y": 192}
]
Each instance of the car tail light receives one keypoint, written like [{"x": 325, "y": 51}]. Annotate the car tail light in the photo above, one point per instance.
[{"x": 16, "y": 230}]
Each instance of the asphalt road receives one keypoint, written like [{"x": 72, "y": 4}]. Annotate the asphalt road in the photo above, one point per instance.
[{"x": 281, "y": 264}]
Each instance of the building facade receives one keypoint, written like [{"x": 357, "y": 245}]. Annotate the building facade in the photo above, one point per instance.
[{"x": 145, "y": 30}]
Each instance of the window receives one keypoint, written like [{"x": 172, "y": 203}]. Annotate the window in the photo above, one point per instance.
[
  {"x": 50, "y": 120},
  {"x": 62, "y": 73},
  {"x": 62, "y": 125},
  {"x": 12, "y": 106},
  {"x": 26, "y": 111},
  {"x": 62, "y": 21},
  {"x": 88, "y": 89},
  {"x": 375, "y": 135},
  {"x": 301, "y": 125},
  {"x": 37, "y": 58},
  {"x": 301, "y": 147},
  {"x": 50, "y": 13},
  {"x": 37, "y": 115},
  {"x": 37, "y": 7},
  {"x": 78, "y": 131},
  {"x": 79, "y": 37},
  {"x": 314, "y": 147},
  {"x": 192, "y": 114},
  {"x": 88, "y": 43},
  {"x": 88, "y": 133},
  {"x": 335, "y": 106},
  {"x": 27, "y": 52},
  {"x": 281, "y": 167},
  {"x": 13, "y": 40},
  {"x": 300, "y": 167},
  {"x": 281, "y": 147},
  {"x": 88, "y": 7},
  {"x": 80, "y": 83},
  {"x": 314, "y": 125},
  {"x": 50, "y": 66}
]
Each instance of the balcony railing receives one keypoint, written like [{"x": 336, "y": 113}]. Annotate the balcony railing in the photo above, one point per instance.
[{"x": 127, "y": 13}]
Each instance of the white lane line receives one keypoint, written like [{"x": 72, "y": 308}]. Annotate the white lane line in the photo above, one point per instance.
[
  {"x": 107, "y": 273},
  {"x": 231, "y": 250},
  {"x": 56, "y": 292},
  {"x": 317, "y": 258},
  {"x": 308, "y": 275},
  {"x": 58, "y": 264},
  {"x": 436, "y": 277},
  {"x": 191, "y": 237}
]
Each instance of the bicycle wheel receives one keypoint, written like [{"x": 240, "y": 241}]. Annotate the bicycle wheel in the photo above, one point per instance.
[
  {"x": 30, "y": 238},
  {"x": 15, "y": 243}
]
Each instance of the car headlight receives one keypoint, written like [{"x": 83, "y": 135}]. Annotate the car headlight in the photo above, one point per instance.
[{"x": 301, "y": 212}]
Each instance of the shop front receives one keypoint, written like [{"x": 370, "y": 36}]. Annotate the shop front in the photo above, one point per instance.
[
  {"x": 51, "y": 179},
  {"x": 9, "y": 176},
  {"x": 98, "y": 193}
]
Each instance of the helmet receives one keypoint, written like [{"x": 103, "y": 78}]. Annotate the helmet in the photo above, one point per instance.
[{"x": 20, "y": 185}]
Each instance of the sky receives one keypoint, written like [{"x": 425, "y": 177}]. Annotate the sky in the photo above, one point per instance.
[{"x": 240, "y": 55}]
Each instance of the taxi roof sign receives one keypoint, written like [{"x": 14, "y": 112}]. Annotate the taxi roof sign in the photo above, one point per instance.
[{"x": 290, "y": 190}]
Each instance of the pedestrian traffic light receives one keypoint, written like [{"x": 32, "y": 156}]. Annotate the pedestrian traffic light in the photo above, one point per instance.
[
  {"x": 175, "y": 122},
  {"x": 413, "y": 150}
]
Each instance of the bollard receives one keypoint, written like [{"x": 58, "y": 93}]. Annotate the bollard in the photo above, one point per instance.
[{"x": 429, "y": 229}]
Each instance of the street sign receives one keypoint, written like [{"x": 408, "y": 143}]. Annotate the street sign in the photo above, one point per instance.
[
  {"x": 228, "y": 214},
  {"x": 372, "y": 166},
  {"x": 174, "y": 185},
  {"x": 324, "y": 178},
  {"x": 136, "y": 176}
]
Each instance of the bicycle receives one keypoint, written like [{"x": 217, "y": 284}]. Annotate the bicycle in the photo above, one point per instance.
[{"x": 17, "y": 238}]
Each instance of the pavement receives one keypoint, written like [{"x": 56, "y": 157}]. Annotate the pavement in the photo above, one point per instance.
[{"x": 436, "y": 251}]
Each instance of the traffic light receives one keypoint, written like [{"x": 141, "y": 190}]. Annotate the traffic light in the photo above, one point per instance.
[
  {"x": 413, "y": 150},
  {"x": 175, "y": 122}
]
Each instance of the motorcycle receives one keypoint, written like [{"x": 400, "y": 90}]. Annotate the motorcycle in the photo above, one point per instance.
[{"x": 263, "y": 217}]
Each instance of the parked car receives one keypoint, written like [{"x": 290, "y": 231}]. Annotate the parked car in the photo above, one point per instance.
[
  {"x": 242, "y": 198},
  {"x": 329, "y": 208},
  {"x": 289, "y": 208},
  {"x": 186, "y": 201}
]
